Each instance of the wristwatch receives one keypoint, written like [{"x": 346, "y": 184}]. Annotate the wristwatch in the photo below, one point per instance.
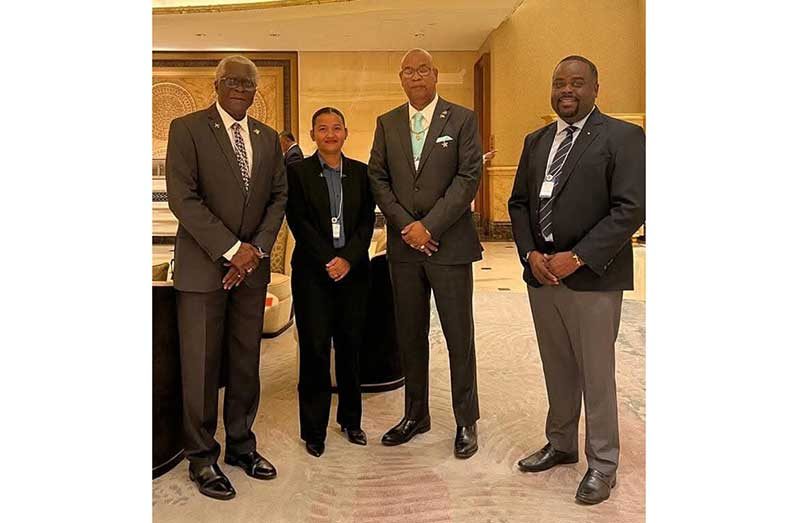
[{"x": 576, "y": 258}]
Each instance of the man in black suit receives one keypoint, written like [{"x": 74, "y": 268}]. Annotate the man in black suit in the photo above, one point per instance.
[
  {"x": 331, "y": 213},
  {"x": 578, "y": 196},
  {"x": 291, "y": 150},
  {"x": 225, "y": 182},
  {"x": 424, "y": 169}
]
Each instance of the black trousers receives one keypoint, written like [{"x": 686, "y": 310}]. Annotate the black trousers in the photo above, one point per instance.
[
  {"x": 453, "y": 287},
  {"x": 327, "y": 310},
  {"x": 210, "y": 324}
]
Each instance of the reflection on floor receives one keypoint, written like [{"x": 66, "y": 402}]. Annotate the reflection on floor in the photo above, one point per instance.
[{"x": 422, "y": 481}]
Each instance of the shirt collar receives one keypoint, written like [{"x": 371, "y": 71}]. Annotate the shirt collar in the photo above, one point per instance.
[
  {"x": 427, "y": 111},
  {"x": 325, "y": 166},
  {"x": 228, "y": 120},
  {"x": 562, "y": 125}
]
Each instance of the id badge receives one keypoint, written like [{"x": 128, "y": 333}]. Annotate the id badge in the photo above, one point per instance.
[
  {"x": 336, "y": 230},
  {"x": 546, "y": 189}
]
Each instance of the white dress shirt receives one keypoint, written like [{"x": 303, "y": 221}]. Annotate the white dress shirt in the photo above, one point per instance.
[
  {"x": 427, "y": 112},
  {"x": 558, "y": 139},
  {"x": 228, "y": 122}
]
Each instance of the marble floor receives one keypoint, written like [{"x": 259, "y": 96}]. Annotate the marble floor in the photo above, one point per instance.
[{"x": 422, "y": 481}]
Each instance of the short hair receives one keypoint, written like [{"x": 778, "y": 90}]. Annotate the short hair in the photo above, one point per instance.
[
  {"x": 287, "y": 134},
  {"x": 577, "y": 58},
  {"x": 236, "y": 59},
  {"x": 417, "y": 50},
  {"x": 327, "y": 110}
]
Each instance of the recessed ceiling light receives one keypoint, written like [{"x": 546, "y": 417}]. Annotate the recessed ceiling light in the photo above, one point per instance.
[
  {"x": 419, "y": 34},
  {"x": 274, "y": 34},
  {"x": 200, "y": 35}
]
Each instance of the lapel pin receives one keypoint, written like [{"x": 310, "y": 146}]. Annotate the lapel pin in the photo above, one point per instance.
[
  {"x": 257, "y": 131},
  {"x": 216, "y": 125},
  {"x": 445, "y": 144},
  {"x": 443, "y": 114},
  {"x": 588, "y": 133}
]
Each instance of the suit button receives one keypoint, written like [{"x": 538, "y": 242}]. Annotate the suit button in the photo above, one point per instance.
[{"x": 416, "y": 188}]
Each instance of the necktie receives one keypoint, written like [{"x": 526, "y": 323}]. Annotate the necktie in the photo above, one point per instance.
[
  {"x": 418, "y": 135},
  {"x": 553, "y": 175},
  {"x": 241, "y": 154}
]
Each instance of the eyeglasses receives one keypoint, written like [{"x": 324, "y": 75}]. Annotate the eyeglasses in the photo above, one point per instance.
[
  {"x": 234, "y": 83},
  {"x": 423, "y": 71}
]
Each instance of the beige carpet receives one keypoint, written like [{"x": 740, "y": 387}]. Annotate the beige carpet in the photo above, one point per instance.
[{"x": 422, "y": 481}]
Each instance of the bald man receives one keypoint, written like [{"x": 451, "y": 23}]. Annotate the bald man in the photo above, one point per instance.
[{"x": 424, "y": 170}]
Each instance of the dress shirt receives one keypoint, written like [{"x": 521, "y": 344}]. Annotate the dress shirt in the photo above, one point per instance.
[
  {"x": 335, "y": 191},
  {"x": 228, "y": 122},
  {"x": 558, "y": 139},
  {"x": 428, "y": 112}
]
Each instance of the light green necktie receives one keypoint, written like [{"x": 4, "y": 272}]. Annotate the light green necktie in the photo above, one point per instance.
[{"x": 418, "y": 135}]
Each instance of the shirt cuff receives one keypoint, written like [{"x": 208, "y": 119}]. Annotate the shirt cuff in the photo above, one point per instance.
[{"x": 233, "y": 250}]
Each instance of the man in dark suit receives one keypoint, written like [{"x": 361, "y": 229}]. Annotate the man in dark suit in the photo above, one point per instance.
[
  {"x": 291, "y": 150},
  {"x": 226, "y": 185},
  {"x": 424, "y": 169},
  {"x": 578, "y": 196}
]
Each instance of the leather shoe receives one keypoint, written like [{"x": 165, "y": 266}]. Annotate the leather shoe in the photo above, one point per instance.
[
  {"x": 465, "y": 442},
  {"x": 254, "y": 465},
  {"x": 546, "y": 458},
  {"x": 211, "y": 481},
  {"x": 595, "y": 487},
  {"x": 354, "y": 435},
  {"x": 405, "y": 430},
  {"x": 315, "y": 448}
]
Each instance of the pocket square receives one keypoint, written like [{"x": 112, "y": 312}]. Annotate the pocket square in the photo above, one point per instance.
[{"x": 443, "y": 139}]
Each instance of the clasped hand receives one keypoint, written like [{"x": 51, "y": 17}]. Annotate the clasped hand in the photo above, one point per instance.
[
  {"x": 549, "y": 269},
  {"x": 418, "y": 237},
  {"x": 337, "y": 268},
  {"x": 244, "y": 261}
]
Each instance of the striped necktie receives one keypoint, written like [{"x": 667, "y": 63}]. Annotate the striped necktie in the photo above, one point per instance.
[
  {"x": 553, "y": 175},
  {"x": 241, "y": 154}
]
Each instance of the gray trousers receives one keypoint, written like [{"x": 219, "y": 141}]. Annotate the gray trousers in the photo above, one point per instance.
[{"x": 576, "y": 334}]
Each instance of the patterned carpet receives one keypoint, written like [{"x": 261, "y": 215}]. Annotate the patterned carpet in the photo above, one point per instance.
[{"x": 422, "y": 481}]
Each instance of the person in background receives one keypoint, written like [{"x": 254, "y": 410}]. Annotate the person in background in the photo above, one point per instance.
[
  {"x": 331, "y": 214},
  {"x": 291, "y": 150}
]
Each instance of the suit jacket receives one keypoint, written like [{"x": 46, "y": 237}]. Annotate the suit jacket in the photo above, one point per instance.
[
  {"x": 439, "y": 193},
  {"x": 206, "y": 194},
  {"x": 308, "y": 214},
  {"x": 293, "y": 155},
  {"x": 599, "y": 201}
]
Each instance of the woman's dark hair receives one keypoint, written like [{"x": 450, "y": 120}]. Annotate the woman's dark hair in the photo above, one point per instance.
[{"x": 328, "y": 110}]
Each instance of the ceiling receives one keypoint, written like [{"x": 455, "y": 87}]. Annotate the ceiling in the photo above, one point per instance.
[{"x": 326, "y": 25}]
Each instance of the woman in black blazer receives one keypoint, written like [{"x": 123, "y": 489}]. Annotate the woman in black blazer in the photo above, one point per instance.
[{"x": 330, "y": 211}]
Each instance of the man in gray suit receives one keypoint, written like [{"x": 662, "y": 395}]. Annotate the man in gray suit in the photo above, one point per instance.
[
  {"x": 226, "y": 185},
  {"x": 424, "y": 170},
  {"x": 578, "y": 197}
]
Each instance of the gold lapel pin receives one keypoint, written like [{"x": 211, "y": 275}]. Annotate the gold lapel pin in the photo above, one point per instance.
[
  {"x": 216, "y": 125},
  {"x": 443, "y": 114},
  {"x": 257, "y": 131}
]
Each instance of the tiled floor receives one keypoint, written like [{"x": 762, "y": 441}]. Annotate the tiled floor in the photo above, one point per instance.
[{"x": 421, "y": 481}]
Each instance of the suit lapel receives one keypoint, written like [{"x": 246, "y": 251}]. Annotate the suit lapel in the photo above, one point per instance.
[
  {"x": 404, "y": 135},
  {"x": 219, "y": 131},
  {"x": 350, "y": 186},
  {"x": 257, "y": 147},
  {"x": 439, "y": 119},
  {"x": 321, "y": 194},
  {"x": 586, "y": 136}
]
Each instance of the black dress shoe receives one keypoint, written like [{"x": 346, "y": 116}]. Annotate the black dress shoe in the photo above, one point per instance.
[
  {"x": 465, "y": 442},
  {"x": 211, "y": 481},
  {"x": 405, "y": 430},
  {"x": 546, "y": 458},
  {"x": 315, "y": 448},
  {"x": 254, "y": 465},
  {"x": 595, "y": 487},
  {"x": 354, "y": 435}
]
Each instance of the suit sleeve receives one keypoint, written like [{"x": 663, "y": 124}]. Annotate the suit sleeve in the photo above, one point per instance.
[
  {"x": 307, "y": 236},
  {"x": 461, "y": 192},
  {"x": 396, "y": 215},
  {"x": 185, "y": 201},
  {"x": 269, "y": 227},
  {"x": 627, "y": 203},
  {"x": 519, "y": 206},
  {"x": 361, "y": 240}
]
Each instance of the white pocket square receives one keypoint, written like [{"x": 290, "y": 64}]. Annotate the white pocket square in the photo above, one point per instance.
[{"x": 446, "y": 138}]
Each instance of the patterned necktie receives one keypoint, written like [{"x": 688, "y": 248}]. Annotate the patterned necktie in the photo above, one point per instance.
[
  {"x": 418, "y": 135},
  {"x": 553, "y": 175},
  {"x": 241, "y": 154}
]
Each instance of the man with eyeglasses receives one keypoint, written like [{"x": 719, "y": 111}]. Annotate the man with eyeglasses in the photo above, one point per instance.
[
  {"x": 226, "y": 185},
  {"x": 425, "y": 165}
]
